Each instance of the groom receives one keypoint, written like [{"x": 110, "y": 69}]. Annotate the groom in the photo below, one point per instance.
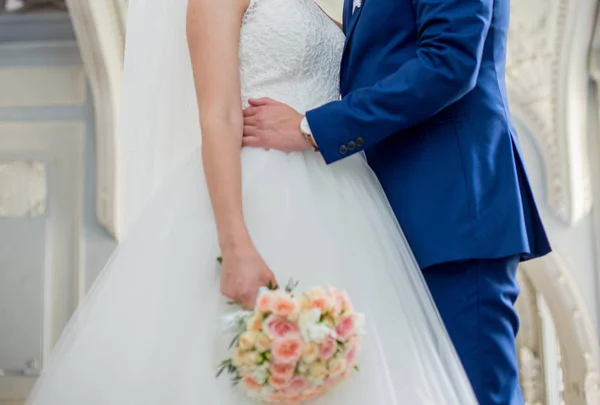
[{"x": 424, "y": 95}]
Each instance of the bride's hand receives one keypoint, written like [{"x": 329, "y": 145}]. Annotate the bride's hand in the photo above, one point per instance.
[{"x": 243, "y": 272}]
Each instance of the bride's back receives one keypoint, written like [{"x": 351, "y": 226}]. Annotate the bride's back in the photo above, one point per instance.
[{"x": 290, "y": 51}]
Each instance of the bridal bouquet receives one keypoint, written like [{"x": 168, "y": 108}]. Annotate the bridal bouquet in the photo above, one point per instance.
[{"x": 292, "y": 348}]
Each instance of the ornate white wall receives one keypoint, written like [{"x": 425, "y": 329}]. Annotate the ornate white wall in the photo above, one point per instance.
[
  {"x": 51, "y": 246},
  {"x": 60, "y": 142}
]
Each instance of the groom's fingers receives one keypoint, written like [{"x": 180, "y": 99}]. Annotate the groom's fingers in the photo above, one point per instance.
[
  {"x": 250, "y": 121},
  {"x": 252, "y": 142},
  {"x": 249, "y": 130},
  {"x": 257, "y": 102},
  {"x": 250, "y": 111}
]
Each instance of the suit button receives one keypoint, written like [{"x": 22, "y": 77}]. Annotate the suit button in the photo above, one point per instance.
[
  {"x": 343, "y": 150},
  {"x": 351, "y": 146},
  {"x": 360, "y": 142}
]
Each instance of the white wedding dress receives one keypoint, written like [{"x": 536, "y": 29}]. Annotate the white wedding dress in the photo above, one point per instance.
[{"x": 148, "y": 332}]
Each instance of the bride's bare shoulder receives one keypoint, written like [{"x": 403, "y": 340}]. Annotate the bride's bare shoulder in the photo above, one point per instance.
[{"x": 222, "y": 8}]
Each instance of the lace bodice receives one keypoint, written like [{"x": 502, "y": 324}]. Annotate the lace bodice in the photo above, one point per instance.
[{"x": 290, "y": 51}]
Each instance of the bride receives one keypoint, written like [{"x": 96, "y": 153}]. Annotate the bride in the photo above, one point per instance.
[{"x": 148, "y": 332}]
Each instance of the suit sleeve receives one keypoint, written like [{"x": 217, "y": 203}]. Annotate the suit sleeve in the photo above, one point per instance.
[{"x": 451, "y": 35}]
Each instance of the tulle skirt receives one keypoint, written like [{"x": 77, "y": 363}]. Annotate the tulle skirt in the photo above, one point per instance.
[{"x": 149, "y": 332}]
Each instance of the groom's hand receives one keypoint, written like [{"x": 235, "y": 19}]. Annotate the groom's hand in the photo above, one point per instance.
[{"x": 269, "y": 124}]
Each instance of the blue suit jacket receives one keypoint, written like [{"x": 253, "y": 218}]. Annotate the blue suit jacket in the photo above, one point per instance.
[{"x": 424, "y": 94}]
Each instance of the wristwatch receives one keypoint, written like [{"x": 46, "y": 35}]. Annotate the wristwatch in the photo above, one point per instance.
[{"x": 305, "y": 129}]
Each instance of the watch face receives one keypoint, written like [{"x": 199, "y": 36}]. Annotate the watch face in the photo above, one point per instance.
[{"x": 304, "y": 127}]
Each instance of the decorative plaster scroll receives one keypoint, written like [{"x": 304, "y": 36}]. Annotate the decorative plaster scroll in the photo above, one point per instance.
[
  {"x": 22, "y": 189},
  {"x": 580, "y": 352},
  {"x": 100, "y": 35},
  {"x": 547, "y": 80},
  {"x": 529, "y": 343}
]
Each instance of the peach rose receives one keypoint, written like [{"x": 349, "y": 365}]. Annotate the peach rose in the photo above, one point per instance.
[
  {"x": 246, "y": 340},
  {"x": 250, "y": 383},
  {"x": 278, "y": 382},
  {"x": 308, "y": 393},
  {"x": 287, "y": 349},
  {"x": 346, "y": 326},
  {"x": 328, "y": 348},
  {"x": 336, "y": 367},
  {"x": 262, "y": 342},
  {"x": 251, "y": 359},
  {"x": 285, "y": 306},
  {"x": 254, "y": 323},
  {"x": 319, "y": 298},
  {"x": 310, "y": 352},
  {"x": 285, "y": 371},
  {"x": 303, "y": 302},
  {"x": 265, "y": 300},
  {"x": 346, "y": 301},
  {"x": 238, "y": 357},
  {"x": 278, "y": 327}
]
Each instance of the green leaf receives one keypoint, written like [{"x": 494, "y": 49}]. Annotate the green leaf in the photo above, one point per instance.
[
  {"x": 234, "y": 341},
  {"x": 220, "y": 260},
  {"x": 291, "y": 286},
  {"x": 225, "y": 365}
]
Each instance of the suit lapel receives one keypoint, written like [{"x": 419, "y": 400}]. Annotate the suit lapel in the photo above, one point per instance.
[
  {"x": 346, "y": 15},
  {"x": 352, "y": 20}
]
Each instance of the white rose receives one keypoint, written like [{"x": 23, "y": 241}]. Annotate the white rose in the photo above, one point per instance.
[
  {"x": 311, "y": 328},
  {"x": 260, "y": 374},
  {"x": 317, "y": 371}
]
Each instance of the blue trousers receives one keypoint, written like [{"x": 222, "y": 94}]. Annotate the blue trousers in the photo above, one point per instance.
[{"x": 476, "y": 301}]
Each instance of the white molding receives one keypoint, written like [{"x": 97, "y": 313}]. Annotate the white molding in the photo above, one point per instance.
[
  {"x": 48, "y": 86},
  {"x": 61, "y": 146},
  {"x": 100, "y": 35},
  {"x": 22, "y": 189},
  {"x": 595, "y": 146},
  {"x": 547, "y": 80},
  {"x": 580, "y": 352}
]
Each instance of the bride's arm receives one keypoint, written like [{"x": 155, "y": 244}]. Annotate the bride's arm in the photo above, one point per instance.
[{"x": 213, "y": 32}]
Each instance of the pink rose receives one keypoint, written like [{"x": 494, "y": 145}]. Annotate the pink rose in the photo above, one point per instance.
[
  {"x": 285, "y": 371},
  {"x": 352, "y": 348},
  {"x": 277, "y": 327},
  {"x": 328, "y": 348},
  {"x": 296, "y": 385},
  {"x": 251, "y": 384},
  {"x": 287, "y": 350},
  {"x": 346, "y": 326}
]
